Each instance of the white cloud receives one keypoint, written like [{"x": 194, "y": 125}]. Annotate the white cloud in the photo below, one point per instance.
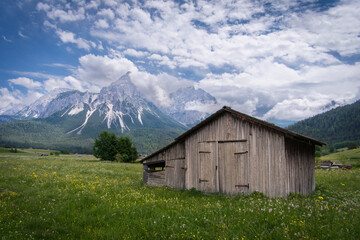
[
  {"x": 103, "y": 70},
  {"x": 298, "y": 109},
  {"x": 60, "y": 65},
  {"x": 34, "y": 74},
  {"x": 6, "y": 98},
  {"x": 162, "y": 60},
  {"x": 289, "y": 94},
  {"x": 69, "y": 37},
  {"x": 204, "y": 107},
  {"x": 106, "y": 13},
  {"x": 43, "y": 7},
  {"x": 66, "y": 82},
  {"x": 334, "y": 30},
  {"x": 135, "y": 53},
  {"x": 26, "y": 82},
  {"x": 101, "y": 23},
  {"x": 65, "y": 16},
  {"x": 92, "y": 5},
  {"x": 22, "y": 35},
  {"x": 13, "y": 101},
  {"x": 110, "y": 3},
  {"x": 6, "y": 39}
]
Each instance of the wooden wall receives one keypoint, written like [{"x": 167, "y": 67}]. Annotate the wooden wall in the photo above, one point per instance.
[
  {"x": 301, "y": 166},
  {"x": 174, "y": 173},
  {"x": 267, "y": 162},
  {"x": 156, "y": 178}
]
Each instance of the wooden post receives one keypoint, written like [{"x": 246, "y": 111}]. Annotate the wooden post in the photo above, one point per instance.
[{"x": 145, "y": 173}]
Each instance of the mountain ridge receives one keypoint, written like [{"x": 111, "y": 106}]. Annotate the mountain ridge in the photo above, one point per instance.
[
  {"x": 79, "y": 116},
  {"x": 337, "y": 126}
]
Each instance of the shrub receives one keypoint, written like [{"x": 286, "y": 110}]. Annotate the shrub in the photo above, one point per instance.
[
  {"x": 352, "y": 145},
  {"x": 13, "y": 150},
  {"x": 317, "y": 154},
  {"x": 63, "y": 151}
]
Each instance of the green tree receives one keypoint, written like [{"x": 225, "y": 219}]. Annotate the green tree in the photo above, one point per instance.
[
  {"x": 127, "y": 152},
  {"x": 108, "y": 147},
  {"x": 105, "y": 146}
]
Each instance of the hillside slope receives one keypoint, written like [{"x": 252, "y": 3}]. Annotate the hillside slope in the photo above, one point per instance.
[
  {"x": 45, "y": 134},
  {"x": 339, "y": 125}
]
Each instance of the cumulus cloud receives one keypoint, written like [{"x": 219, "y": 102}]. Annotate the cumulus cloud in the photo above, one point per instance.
[
  {"x": 7, "y": 98},
  {"x": 69, "y": 37},
  {"x": 291, "y": 95},
  {"x": 103, "y": 70},
  {"x": 25, "y": 82},
  {"x": 106, "y": 13},
  {"x": 13, "y": 101},
  {"x": 334, "y": 29},
  {"x": 135, "y": 53},
  {"x": 92, "y": 5},
  {"x": 300, "y": 108},
  {"x": 110, "y": 3},
  {"x": 101, "y": 23},
  {"x": 59, "y": 14},
  {"x": 66, "y": 82}
]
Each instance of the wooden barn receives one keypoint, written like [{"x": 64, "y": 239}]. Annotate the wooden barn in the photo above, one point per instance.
[{"x": 232, "y": 153}]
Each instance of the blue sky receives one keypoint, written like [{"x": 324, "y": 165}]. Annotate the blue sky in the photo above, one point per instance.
[{"x": 277, "y": 59}]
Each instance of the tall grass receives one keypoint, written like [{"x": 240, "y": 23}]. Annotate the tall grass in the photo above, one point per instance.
[{"x": 72, "y": 198}]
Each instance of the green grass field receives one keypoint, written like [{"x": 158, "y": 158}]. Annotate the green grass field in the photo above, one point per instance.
[
  {"x": 79, "y": 197},
  {"x": 344, "y": 156}
]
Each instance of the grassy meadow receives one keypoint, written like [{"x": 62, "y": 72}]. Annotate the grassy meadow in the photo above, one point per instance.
[
  {"x": 344, "y": 156},
  {"x": 79, "y": 197}
]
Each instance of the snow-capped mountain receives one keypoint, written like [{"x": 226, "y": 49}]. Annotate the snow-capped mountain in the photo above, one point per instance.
[
  {"x": 43, "y": 107},
  {"x": 119, "y": 105},
  {"x": 189, "y": 105},
  {"x": 72, "y": 119},
  {"x": 121, "y": 99}
]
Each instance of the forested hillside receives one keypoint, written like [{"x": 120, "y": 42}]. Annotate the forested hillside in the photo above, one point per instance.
[
  {"x": 44, "y": 133},
  {"x": 337, "y": 126}
]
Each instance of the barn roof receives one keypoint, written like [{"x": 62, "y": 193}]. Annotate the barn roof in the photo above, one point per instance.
[{"x": 242, "y": 116}]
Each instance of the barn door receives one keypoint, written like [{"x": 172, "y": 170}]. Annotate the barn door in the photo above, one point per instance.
[
  {"x": 175, "y": 173},
  {"x": 233, "y": 160},
  {"x": 207, "y": 167}
]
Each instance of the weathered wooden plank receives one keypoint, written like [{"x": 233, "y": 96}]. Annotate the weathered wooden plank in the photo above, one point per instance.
[
  {"x": 156, "y": 178},
  {"x": 300, "y": 157}
]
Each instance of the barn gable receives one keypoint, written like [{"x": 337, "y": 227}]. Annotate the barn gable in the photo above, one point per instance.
[{"x": 233, "y": 153}]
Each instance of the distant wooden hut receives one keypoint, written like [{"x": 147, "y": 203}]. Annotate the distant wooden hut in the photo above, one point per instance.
[{"x": 232, "y": 153}]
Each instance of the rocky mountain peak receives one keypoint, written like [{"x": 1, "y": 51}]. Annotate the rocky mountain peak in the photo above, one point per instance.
[
  {"x": 183, "y": 99},
  {"x": 119, "y": 105}
]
